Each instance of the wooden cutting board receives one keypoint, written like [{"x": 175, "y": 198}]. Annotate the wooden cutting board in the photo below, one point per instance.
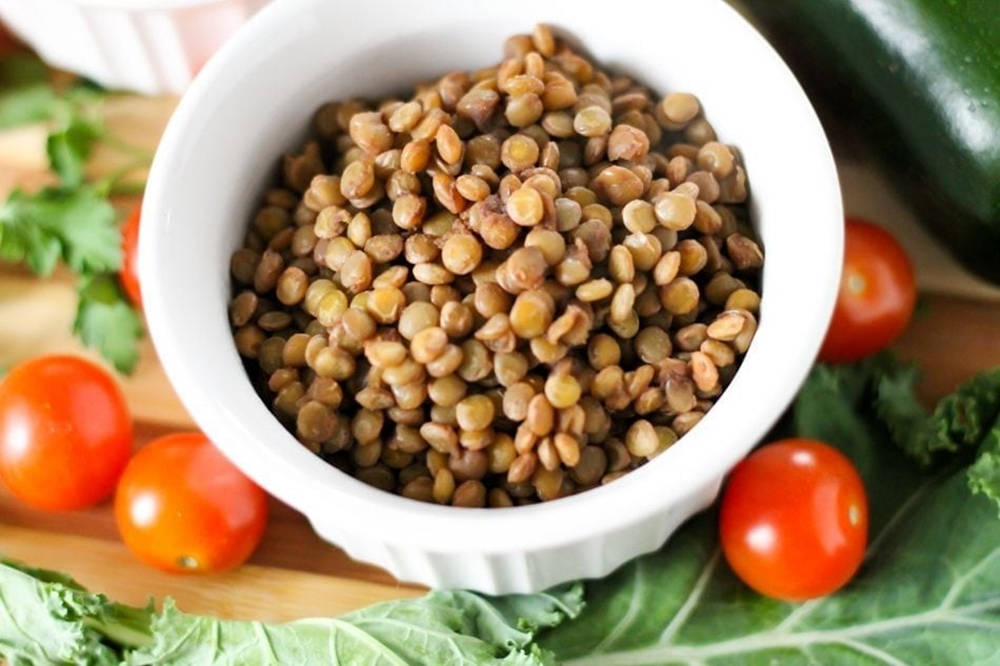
[{"x": 293, "y": 573}]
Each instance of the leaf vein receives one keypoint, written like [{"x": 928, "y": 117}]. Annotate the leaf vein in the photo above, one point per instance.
[
  {"x": 630, "y": 613},
  {"x": 694, "y": 596}
]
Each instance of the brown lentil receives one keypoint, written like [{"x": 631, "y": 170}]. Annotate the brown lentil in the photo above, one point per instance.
[
  {"x": 693, "y": 256},
  {"x": 683, "y": 423},
  {"x": 677, "y": 110},
  {"x": 516, "y": 399},
  {"x": 744, "y": 252},
  {"x": 562, "y": 390},
  {"x": 699, "y": 132},
  {"x": 627, "y": 143},
  {"x": 743, "y": 299},
  {"x": 727, "y": 326},
  {"x": 499, "y": 275},
  {"x": 548, "y": 483},
  {"x": 715, "y": 158},
  {"x": 523, "y": 467},
  {"x": 719, "y": 288},
  {"x": 540, "y": 416},
  {"x": 703, "y": 371},
  {"x": 592, "y": 121},
  {"x": 675, "y": 211},
  {"x": 680, "y": 296}
]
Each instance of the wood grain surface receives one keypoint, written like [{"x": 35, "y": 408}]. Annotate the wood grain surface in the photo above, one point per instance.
[{"x": 293, "y": 573}]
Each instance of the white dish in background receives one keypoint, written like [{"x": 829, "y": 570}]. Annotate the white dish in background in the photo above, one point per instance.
[
  {"x": 150, "y": 46},
  {"x": 255, "y": 100}
]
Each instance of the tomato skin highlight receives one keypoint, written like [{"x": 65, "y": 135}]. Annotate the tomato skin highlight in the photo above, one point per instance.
[
  {"x": 182, "y": 507},
  {"x": 128, "y": 275},
  {"x": 794, "y": 520},
  {"x": 65, "y": 433},
  {"x": 877, "y": 295}
]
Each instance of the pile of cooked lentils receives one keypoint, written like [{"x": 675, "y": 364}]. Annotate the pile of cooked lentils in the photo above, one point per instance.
[{"x": 516, "y": 284}]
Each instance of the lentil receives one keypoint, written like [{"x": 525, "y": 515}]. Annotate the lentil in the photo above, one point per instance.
[
  {"x": 512, "y": 285},
  {"x": 677, "y": 109},
  {"x": 461, "y": 254}
]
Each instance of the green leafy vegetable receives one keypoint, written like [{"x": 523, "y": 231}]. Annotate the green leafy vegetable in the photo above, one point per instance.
[
  {"x": 965, "y": 423},
  {"x": 444, "y": 627},
  {"x": 46, "y": 617},
  {"x": 984, "y": 473},
  {"x": 960, "y": 421},
  {"x": 928, "y": 592},
  {"x": 25, "y": 93},
  {"x": 73, "y": 222},
  {"x": 107, "y": 321},
  {"x": 69, "y": 147},
  {"x": 75, "y": 225}
]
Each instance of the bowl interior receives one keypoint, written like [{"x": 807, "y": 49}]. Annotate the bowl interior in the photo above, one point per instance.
[{"x": 255, "y": 100}]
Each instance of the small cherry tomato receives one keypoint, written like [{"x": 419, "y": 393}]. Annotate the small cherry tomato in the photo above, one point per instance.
[
  {"x": 181, "y": 506},
  {"x": 65, "y": 432},
  {"x": 877, "y": 295},
  {"x": 794, "y": 520},
  {"x": 128, "y": 275}
]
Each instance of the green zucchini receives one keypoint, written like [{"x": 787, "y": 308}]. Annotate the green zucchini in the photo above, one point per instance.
[{"x": 920, "y": 81}]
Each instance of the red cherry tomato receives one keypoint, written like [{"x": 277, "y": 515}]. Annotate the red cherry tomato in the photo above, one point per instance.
[
  {"x": 129, "y": 273},
  {"x": 181, "y": 506},
  {"x": 794, "y": 520},
  {"x": 877, "y": 295},
  {"x": 65, "y": 432}
]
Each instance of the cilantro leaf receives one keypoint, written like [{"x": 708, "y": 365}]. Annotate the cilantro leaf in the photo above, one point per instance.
[
  {"x": 73, "y": 222},
  {"x": 106, "y": 321},
  {"x": 25, "y": 93},
  {"x": 69, "y": 148},
  {"x": 77, "y": 225},
  {"x": 27, "y": 104}
]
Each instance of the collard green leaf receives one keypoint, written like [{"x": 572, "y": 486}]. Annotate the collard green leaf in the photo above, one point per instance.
[
  {"x": 47, "y": 618},
  {"x": 971, "y": 411},
  {"x": 444, "y": 627},
  {"x": 960, "y": 421},
  {"x": 928, "y": 591},
  {"x": 43, "y": 575},
  {"x": 834, "y": 406},
  {"x": 964, "y": 424},
  {"x": 984, "y": 474},
  {"x": 106, "y": 320}
]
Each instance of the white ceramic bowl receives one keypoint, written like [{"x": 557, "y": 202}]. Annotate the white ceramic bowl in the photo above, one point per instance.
[
  {"x": 255, "y": 100},
  {"x": 152, "y": 46}
]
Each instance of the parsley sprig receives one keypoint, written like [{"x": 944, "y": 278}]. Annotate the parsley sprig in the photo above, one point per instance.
[{"x": 72, "y": 222}]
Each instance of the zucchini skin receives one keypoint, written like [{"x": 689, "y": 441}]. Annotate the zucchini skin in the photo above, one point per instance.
[{"x": 920, "y": 81}]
